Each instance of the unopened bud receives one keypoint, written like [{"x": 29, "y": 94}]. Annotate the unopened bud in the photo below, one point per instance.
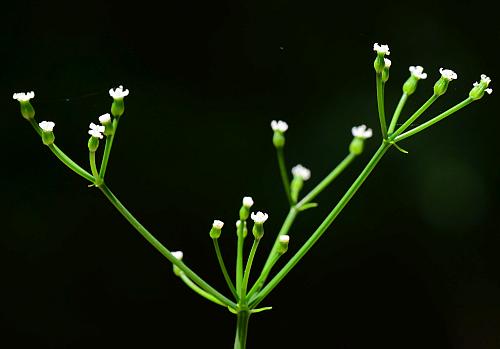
[
  {"x": 216, "y": 229},
  {"x": 47, "y": 132},
  {"x": 27, "y": 110},
  {"x": 283, "y": 241}
]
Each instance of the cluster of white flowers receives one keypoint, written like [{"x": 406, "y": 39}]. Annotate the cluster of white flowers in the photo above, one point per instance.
[
  {"x": 218, "y": 224},
  {"x": 362, "y": 132},
  {"x": 24, "y": 97},
  {"x": 259, "y": 217},
  {"x": 448, "y": 74},
  {"x": 279, "y": 126},
  {"x": 301, "y": 172},
  {"x": 96, "y": 130},
  {"x": 47, "y": 126},
  {"x": 418, "y": 72},
  {"x": 381, "y": 49},
  {"x": 119, "y": 92},
  {"x": 247, "y": 201}
]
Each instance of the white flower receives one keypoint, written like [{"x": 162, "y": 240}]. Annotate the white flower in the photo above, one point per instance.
[
  {"x": 448, "y": 74},
  {"x": 218, "y": 224},
  {"x": 279, "y": 125},
  {"x": 47, "y": 126},
  {"x": 105, "y": 118},
  {"x": 418, "y": 72},
  {"x": 485, "y": 79},
  {"x": 381, "y": 49},
  {"x": 24, "y": 97},
  {"x": 259, "y": 217},
  {"x": 96, "y": 130},
  {"x": 178, "y": 255},
  {"x": 387, "y": 62},
  {"x": 247, "y": 201},
  {"x": 284, "y": 239},
  {"x": 361, "y": 132},
  {"x": 488, "y": 90},
  {"x": 301, "y": 172},
  {"x": 118, "y": 92}
]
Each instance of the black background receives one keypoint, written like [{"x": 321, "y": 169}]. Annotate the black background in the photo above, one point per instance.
[{"x": 413, "y": 260}]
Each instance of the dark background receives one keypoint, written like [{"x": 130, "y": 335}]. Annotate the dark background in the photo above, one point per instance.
[{"x": 412, "y": 262}]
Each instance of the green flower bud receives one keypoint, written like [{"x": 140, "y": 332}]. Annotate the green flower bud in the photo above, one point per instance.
[
  {"x": 118, "y": 106},
  {"x": 441, "y": 85},
  {"x": 27, "y": 110},
  {"x": 216, "y": 229},
  {"x": 258, "y": 227},
  {"x": 283, "y": 241},
  {"x": 279, "y": 128},
  {"x": 379, "y": 63},
  {"x": 93, "y": 144},
  {"x": 300, "y": 174},
  {"x": 385, "y": 72},
  {"x": 245, "y": 208},
  {"x": 417, "y": 73},
  {"x": 179, "y": 255},
  {"x": 106, "y": 121},
  {"x": 245, "y": 230},
  {"x": 480, "y": 88},
  {"x": 360, "y": 133},
  {"x": 47, "y": 132}
]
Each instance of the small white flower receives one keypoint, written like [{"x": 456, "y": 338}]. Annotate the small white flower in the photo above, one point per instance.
[
  {"x": 418, "y": 72},
  {"x": 24, "y": 97},
  {"x": 279, "y": 125},
  {"x": 381, "y": 49},
  {"x": 489, "y": 91},
  {"x": 485, "y": 79},
  {"x": 301, "y": 172},
  {"x": 119, "y": 92},
  {"x": 448, "y": 74},
  {"x": 284, "y": 239},
  {"x": 387, "y": 62},
  {"x": 178, "y": 254},
  {"x": 247, "y": 201},
  {"x": 96, "y": 130},
  {"x": 361, "y": 132},
  {"x": 47, "y": 126},
  {"x": 259, "y": 217},
  {"x": 105, "y": 118},
  {"x": 218, "y": 224}
]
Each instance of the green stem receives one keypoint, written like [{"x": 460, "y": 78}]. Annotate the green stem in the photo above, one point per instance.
[
  {"x": 107, "y": 150},
  {"x": 162, "y": 249},
  {"x": 284, "y": 173},
  {"x": 431, "y": 122},
  {"x": 70, "y": 163},
  {"x": 326, "y": 181},
  {"x": 239, "y": 257},
  {"x": 397, "y": 113},
  {"x": 323, "y": 227},
  {"x": 273, "y": 259},
  {"x": 414, "y": 116},
  {"x": 199, "y": 291},
  {"x": 223, "y": 268},
  {"x": 35, "y": 126},
  {"x": 248, "y": 267},
  {"x": 240, "y": 341},
  {"x": 380, "y": 105},
  {"x": 93, "y": 167}
]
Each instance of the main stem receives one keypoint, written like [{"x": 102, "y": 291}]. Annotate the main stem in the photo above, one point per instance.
[
  {"x": 323, "y": 227},
  {"x": 240, "y": 340}
]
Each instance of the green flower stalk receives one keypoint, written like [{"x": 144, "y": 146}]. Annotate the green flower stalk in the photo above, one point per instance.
[{"x": 246, "y": 296}]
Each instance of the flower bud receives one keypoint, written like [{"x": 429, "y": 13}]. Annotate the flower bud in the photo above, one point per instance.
[
  {"x": 27, "y": 110},
  {"x": 47, "y": 132},
  {"x": 107, "y": 122},
  {"x": 385, "y": 72},
  {"x": 245, "y": 230},
  {"x": 441, "y": 85},
  {"x": 118, "y": 106},
  {"x": 360, "y": 133},
  {"x": 283, "y": 241},
  {"x": 379, "y": 63},
  {"x": 259, "y": 219},
  {"x": 179, "y": 255},
  {"x": 279, "y": 128},
  {"x": 417, "y": 73},
  {"x": 300, "y": 174},
  {"x": 245, "y": 208},
  {"x": 479, "y": 88},
  {"x": 93, "y": 144},
  {"x": 216, "y": 229}
]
